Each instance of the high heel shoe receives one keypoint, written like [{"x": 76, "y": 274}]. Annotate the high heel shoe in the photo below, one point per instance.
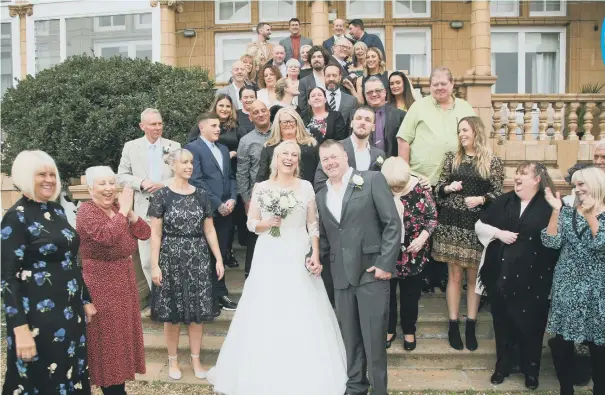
[
  {"x": 173, "y": 373},
  {"x": 389, "y": 342},
  {"x": 200, "y": 374}
]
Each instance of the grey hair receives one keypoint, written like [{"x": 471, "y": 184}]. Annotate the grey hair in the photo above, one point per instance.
[
  {"x": 175, "y": 155},
  {"x": 600, "y": 145},
  {"x": 293, "y": 62},
  {"x": 149, "y": 111},
  {"x": 342, "y": 40},
  {"x": 375, "y": 79},
  {"x": 24, "y": 169},
  {"x": 95, "y": 172}
]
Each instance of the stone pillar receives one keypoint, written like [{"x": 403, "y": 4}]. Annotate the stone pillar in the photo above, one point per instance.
[
  {"x": 320, "y": 25},
  {"x": 23, "y": 11},
  {"x": 479, "y": 80},
  {"x": 168, "y": 11}
]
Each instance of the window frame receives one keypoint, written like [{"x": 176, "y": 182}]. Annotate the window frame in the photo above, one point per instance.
[
  {"x": 350, "y": 16},
  {"x": 562, "y": 10},
  {"x": 429, "y": 49},
  {"x": 521, "y": 68},
  {"x": 131, "y": 45},
  {"x": 501, "y": 14},
  {"x": 113, "y": 28},
  {"x": 219, "y": 21},
  {"x": 15, "y": 42},
  {"x": 278, "y": 19},
  {"x": 426, "y": 14},
  {"x": 140, "y": 26}
]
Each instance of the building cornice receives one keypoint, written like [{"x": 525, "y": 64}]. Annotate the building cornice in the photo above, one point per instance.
[
  {"x": 176, "y": 5},
  {"x": 20, "y": 10}
]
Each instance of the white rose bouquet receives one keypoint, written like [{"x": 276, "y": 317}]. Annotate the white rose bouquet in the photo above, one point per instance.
[{"x": 278, "y": 202}]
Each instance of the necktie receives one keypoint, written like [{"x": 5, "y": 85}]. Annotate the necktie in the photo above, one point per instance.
[
  {"x": 333, "y": 101},
  {"x": 153, "y": 164},
  {"x": 379, "y": 131}
]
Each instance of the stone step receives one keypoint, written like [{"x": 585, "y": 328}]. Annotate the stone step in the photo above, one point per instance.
[{"x": 432, "y": 322}]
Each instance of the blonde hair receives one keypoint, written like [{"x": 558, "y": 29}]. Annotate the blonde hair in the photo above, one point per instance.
[
  {"x": 302, "y": 136},
  {"x": 396, "y": 171},
  {"x": 594, "y": 179},
  {"x": 483, "y": 155},
  {"x": 280, "y": 87},
  {"x": 250, "y": 59},
  {"x": 176, "y": 155},
  {"x": 301, "y": 50},
  {"x": 358, "y": 44},
  {"x": 95, "y": 172},
  {"x": 25, "y": 166},
  {"x": 382, "y": 66},
  {"x": 281, "y": 147}
]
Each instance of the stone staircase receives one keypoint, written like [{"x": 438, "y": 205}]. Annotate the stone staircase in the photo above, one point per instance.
[{"x": 434, "y": 365}]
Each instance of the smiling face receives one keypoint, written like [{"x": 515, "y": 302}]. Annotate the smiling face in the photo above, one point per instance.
[
  {"x": 317, "y": 98},
  {"x": 248, "y": 97},
  {"x": 372, "y": 60},
  {"x": 526, "y": 182},
  {"x": 332, "y": 77},
  {"x": 279, "y": 54},
  {"x": 292, "y": 87},
  {"x": 270, "y": 78},
  {"x": 360, "y": 52},
  {"x": 287, "y": 126},
  {"x": 343, "y": 49},
  {"x": 153, "y": 127},
  {"x": 45, "y": 184},
  {"x": 599, "y": 158},
  {"x": 210, "y": 129},
  {"x": 183, "y": 165},
  {"x": 376, "y": 95},
  {"x": 293, "y": 71},
  {"x": 441, "y": 87},
  {"x": 304, "y": 52},
  {"x": 287, "y": 160},
  {"x": 223, "y": 109},
  {"x": 247, "y": 65},
  {"x": 259, "y": 115},
  {"x": 104, "y": 191},
  {"x": 466, "y": 135},
  {"x": 339, "y": 27},
  {"x": 265, "y": 31},
  {"x": 317, "y": 61},
  {"x": 396, "y": 84},
  {"x": 295, "y": 28},
  {"x": 582, "y": 190},
  {"x": 363, "y": 123},
  {"x": 355, "y": 32},
  {"x": 238, "y": 69},
  {"x": 334, "y": 161}
]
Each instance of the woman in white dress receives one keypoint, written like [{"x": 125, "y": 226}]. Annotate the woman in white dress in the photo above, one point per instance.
[{"x": 289, "y": 344}]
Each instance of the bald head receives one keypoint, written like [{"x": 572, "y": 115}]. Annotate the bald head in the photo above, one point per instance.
[
  {"x": 238, "y": 70},
  {"x": 339, "y": 27},
  {"x": 259, "y": 115},
  {"x": 279, "y": 54}
]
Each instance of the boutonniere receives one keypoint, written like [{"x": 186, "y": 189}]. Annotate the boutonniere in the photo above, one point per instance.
[
  {"x": 47, "y": 216},
  {"x": 380, "y": 160},
  {"x": 357, "y": 181},
  {"x": 166, "y": 149}
]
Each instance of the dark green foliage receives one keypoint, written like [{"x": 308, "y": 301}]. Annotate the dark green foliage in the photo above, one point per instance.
[{"x": 83, "y": 110}]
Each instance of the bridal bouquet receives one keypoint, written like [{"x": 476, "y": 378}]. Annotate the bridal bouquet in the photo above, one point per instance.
[{"x": 278, "y": 202}]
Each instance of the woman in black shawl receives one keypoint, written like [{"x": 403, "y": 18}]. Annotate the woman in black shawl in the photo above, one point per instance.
[{"x": 517, "y": 271}]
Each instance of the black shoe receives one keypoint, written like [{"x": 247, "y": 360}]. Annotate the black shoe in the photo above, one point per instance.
[
  {"x": 453, "y": 335},
  {"x": 231, "y": 261},
  {"x": 227, "y": 304},
  {"x": 469, "y": 335},
  {"x": 531, "y": 382},
  {"x": 498, "y": 378},
  {"x": 389, "y": 342},
  {"x": 409, "y": 346}
]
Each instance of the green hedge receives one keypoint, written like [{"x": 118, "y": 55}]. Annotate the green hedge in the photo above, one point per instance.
[{"x": 83, "y": 110}]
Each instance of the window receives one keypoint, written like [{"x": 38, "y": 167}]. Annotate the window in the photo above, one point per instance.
[
  {"x": 277, "y": 10},
  {"x": 110, "y": 23},
  {"x": 504, "y": 8},
  {"x": 232, "y": 11},
  {"x": 529, "y": 61},
  {"x": 365, "y": 9},
  {"x": 411, "y": 8},
  {"x": 133, "y": 41},
  {"x": 6, "y": 47},
  {"x": 412, "y": 51},
  {"x": 48, "y": 44},
  {"x": 547, "y": 8}
]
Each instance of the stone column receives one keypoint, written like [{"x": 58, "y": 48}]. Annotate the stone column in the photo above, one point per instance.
[
  {"x": 23, "y": 11},
  {"x": 168, "y": 10},
  {"x": 320, "y": 25}
]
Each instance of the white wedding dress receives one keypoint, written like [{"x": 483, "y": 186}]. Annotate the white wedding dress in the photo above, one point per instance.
[{"x": 284, "y": 338}]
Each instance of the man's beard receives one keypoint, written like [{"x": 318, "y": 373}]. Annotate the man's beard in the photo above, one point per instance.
[
  {"x": 332, "y": 87},
  {"x": 317, "y": 67},
  {"x": 361, "y": 137}
]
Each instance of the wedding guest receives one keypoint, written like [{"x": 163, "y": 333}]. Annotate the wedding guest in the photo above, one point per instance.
[
  {"x": 279, "y": 59},
  {"x": 142, "y": 168},
  {"x": 289, "y": 126},
  {"x": 375, "y": 67},
  {"x": 578, "y": 289},
  {"x": 358, "y": 33},
  {"x": 306, "y": 68},
  {"x": 251, "y": 69},
  {"x": 261, "y": 49},
  {"x": 598, "y": 161},
  {"x": 293, "y": 73},
  {"x": 341, "y": 54},
  {"x": 238, "y": 80},
  {"x": 338, "y": 100},
  {"x": 109, "y": 231},
  {"x": 471, "y": 178},
  {"x": 247, "y": 96},
  {"x": 319, "y": 59},
  {"x": 419, "y": 219},
  {"x": 388, "y": 118},
  {"x": 295, "y": 41},
  {"x": 182, "y": 237},
  {"x": 45, "y": 300},
  {"x": 286, "y": 92},
  {"x": 249, "y": 153},
  {"x": 517, "y": 271},
  {"x": 338, "y": 27},
  {"x": 402, "y": 95},
  {"x": 430, "y": 127},
  {"x": 267, "y": 78},
  {"x": 324, "y": 123},
  {"x": 358, "y": 61},
  {"x": 212, "y": 173}
]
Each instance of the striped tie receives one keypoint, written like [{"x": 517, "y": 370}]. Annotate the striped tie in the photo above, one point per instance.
[{"x": 333, "y": 101}]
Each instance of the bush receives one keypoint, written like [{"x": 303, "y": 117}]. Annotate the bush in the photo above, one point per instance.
[{"x": 83, "y": 110}]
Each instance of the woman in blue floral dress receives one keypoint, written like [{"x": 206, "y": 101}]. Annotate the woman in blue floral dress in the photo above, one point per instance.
[
  {"x": 578, "y": 292},
  {"x": 45, "y": 299}
]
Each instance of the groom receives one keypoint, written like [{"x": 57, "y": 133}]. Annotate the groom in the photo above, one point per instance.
[{"x": 360, "y": 239}]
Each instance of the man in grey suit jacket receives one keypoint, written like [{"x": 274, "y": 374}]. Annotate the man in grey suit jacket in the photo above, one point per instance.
[
  {"x": 294, "y": 48},
  {"x": 238, "y": 72},
  {"x": 360, "y": 239},
  {"x": 343, "y": 101}
]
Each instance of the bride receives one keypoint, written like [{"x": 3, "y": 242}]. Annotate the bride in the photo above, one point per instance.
[{"x": 289, "y": 344}]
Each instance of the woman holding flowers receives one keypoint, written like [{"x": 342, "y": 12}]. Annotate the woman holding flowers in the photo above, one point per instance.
[
  {"x": 305, "y": 334},
  {"x": 44, "y": 296}
]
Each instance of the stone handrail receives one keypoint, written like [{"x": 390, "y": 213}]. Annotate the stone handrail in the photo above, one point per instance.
[{"x": 570, "y": 116}]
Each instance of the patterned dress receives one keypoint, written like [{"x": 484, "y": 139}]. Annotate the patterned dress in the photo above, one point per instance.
[
  {"x": 578, "y": 292},
  {"x": 455, "y": 240},
  {"x": 186, "y": 294},
  {"x": 42, "y": 287},
  {"x": 107, "y": 245},
  {"x": 419, "y": 214}
]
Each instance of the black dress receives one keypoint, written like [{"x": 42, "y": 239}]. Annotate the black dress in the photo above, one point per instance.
[
  {"x": 331, "y": 127},
  {"x": 309, "y": 159},
  {"x": 186, "y": 294},
  {"x": 42, "y": 286}
]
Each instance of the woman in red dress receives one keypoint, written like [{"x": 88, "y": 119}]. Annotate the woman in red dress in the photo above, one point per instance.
[{"x": 109, "y": 232}]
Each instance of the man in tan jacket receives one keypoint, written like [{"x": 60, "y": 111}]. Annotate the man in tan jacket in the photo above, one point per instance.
[{"x": 261, "y": 49}]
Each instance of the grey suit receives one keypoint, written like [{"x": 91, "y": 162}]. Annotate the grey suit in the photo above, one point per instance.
[
  {"x": 304, "y": 87},
  {"x": 321, "y": 177},
  {"x": 287, "y": 44},
  {"x": 348, "y": 105},
  {"x": 232, "y": 92},
  {"x": 367, "y": 234}
]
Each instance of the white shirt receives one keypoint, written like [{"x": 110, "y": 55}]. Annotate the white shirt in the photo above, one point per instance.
[
  {"x": 337, "y": 97},
  {"x": 282, "y": 69},
  {"x": 154, "y": 160},
  {"x": 363, "y": 159},
  {"x": 218, "y": 155},
  {"x": 239, "y": 102},
  {"x": 318, "y": 81},
  {"x": 334, "y": 198}
]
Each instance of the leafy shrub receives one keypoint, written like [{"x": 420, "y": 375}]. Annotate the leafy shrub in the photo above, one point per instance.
[{"x": 83, "y": 110}]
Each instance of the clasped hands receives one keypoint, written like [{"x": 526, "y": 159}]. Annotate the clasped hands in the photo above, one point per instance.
[
  {"x": 226, "y": 208},
  {"x": 470, "y": 201},
  {"x": 314, "y": 265}
]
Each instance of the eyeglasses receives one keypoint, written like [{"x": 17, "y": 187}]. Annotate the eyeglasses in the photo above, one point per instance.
[
  {"x": 374, "y": 92},
  {"x": 288, "y": 123}
]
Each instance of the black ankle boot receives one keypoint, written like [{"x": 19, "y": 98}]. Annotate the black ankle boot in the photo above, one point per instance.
[
  {"x": 469, "y": 335},
  {"x": 453, "y": 335}
]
